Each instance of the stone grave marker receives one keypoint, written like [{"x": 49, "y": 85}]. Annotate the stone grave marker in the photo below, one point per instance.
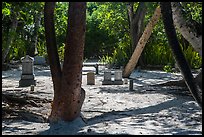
[
  {"x": 107, "y": 78},
  {"x": 118, "y": 77},
  {"x": 27, "y": 76},
  {"x": 90, "y": 78},
  {"x": 39, "y": 60}
]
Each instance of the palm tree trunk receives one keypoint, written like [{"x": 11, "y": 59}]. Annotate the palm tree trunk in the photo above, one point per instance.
[
  {"x": 185, "y": 28},
  {"x": 177, "y": 51}
]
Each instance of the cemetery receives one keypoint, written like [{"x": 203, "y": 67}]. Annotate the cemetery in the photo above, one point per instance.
[{"x": 102, "y": 68}]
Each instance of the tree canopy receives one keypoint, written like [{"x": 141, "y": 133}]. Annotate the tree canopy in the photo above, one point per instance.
[{"x": 107, "y": 32}]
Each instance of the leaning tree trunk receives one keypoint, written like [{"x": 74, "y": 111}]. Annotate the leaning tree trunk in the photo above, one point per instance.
[
  {"x": 177, "y": 51},
  {"x": 141, "y": 44},
  {"x": 69, "y": 96},
  {"x": 186, "y": 28}
]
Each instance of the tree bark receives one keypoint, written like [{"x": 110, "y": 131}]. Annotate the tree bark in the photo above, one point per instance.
[
  {"x": 68, "y": 99},
  {"x": 136, "y": 21},
  {"x": 53, "y": 56},
  {"x": 141, "y": 44},
  {"x": 177, "y": 52},
  {"x": 187, "y": 29}
]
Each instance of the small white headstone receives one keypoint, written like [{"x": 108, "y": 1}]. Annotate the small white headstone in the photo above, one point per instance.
[
  {"x": 27, "y": 77},
  {"x": 118, "y": 75},
  {"x": 27, "y": 65},
  {"x": 107, "y": 76}
]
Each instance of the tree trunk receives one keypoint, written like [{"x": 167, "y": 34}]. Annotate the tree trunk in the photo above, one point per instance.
[
  {"x": 177, "y": 52},
  {"x": 186, "y": 28},
  {"x": 136, "y": 21},
  {"x": 53, "y": 56},
  {"x": 10, "y": 39},
  {"x": 141, "y": 44},
  {"x": 34, "y": 40},
  {"x": 68, "y": 99}
]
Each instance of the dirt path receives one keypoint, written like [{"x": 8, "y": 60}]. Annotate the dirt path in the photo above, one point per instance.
[{"x": 110, "y": 109}]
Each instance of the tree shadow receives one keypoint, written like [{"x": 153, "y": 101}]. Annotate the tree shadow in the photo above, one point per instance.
[
  {"x": 150, "y": 89},
  {"x": 70, "y": 128},
  {"x": 177, "y": 109}
]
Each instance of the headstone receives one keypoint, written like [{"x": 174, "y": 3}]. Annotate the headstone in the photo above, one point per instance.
[
  {"x": 107, "y": 78},
  {"x": 39, "y": 60},
  {"x": 90, "y": 78},
  {"x": 27, "y": 77},
  {"x": 118, "y": 77}
]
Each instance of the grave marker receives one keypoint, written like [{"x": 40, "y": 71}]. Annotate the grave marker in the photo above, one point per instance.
[
  {"x": 118, "y": 77},
  {"x": 27, "y": 77},
  {"x": 107, "y": 78},
  {"x": 90, "y": 78}
]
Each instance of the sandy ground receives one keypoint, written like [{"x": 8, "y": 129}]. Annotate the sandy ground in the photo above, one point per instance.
[{"x": 112, "y": 109}]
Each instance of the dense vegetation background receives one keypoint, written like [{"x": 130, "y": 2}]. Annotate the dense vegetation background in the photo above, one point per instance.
[{"x": 107, "y": 33}]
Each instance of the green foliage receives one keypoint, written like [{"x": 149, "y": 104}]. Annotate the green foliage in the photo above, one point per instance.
[
  {"x": 193, "y": 58},
  {"x": 119, "y": 57},
  {"x": 61, "y": 52},
  {"x": 168, "y": 68},
  {"x": 107, "y": 32},
  {"x": 17, "y": 50},
  {"x": 42, "y": 51},
  {"x": 194, "y": 10},
  {"x": 106, "y": 59}
]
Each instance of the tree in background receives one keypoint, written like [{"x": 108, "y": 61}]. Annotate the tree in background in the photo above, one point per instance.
[
  {"x": 68, "y": 94},
  {"x": 141, "y": 43},
  {"x": 107, "y": 36}
]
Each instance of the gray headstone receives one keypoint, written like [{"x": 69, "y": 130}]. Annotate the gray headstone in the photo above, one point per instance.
[
  {"x": 27, "y": 77},
  {"x": 107, "y": 78},
  {"x": 39, "y": 60}
]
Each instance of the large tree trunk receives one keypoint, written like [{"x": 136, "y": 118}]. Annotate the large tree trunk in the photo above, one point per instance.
[
  {"x": 187, "y": 29},
  {"x": 177, "y": 51},
  {"x": 141, "y": 44},
  {"x": 53, "y": 56},
  {"x": 10, "y": 39},
  {"x": 69, "y": 97}
]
